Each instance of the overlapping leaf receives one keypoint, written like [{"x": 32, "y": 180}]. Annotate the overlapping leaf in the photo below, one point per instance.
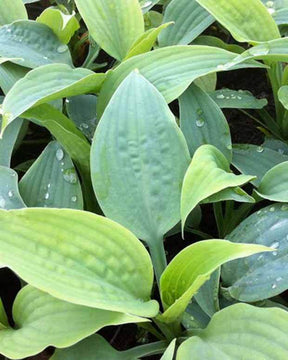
[
  {"x": 240, "y": 99},
  {"x": 9, "y": 193},
  {"x": 11, "y": 11},
  {"x": 78, "y": 257}
]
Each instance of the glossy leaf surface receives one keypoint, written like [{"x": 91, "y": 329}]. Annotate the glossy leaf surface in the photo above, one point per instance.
[
  {"x": 11, "y": 11},
  {"x": 78, "y": 257},
  {"x": 9, "y": 193},
  {"x": 52, "y": 181},
  {"x": 240, "y": 332},
  {"x": 240, "y": 99},
  {"x": 260, "y": 276},
  {"x": 138, "y": 160}
]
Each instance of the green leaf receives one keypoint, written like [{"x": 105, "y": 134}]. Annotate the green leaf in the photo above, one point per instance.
[
  {"x": 190, "y": 21},
  {"x": 260, "y": 276},
  {"x": 235, "y": 194},
  {"x": 24, "y": 39},
  {"x": 240, "y": 332},
  {"x": 192, "y": 267},
  {"x": 273, "y": 185},
  {"x": 202, "y": 122},
  {"x": 207, "y": 82},
  {"x": 52, "y": 181},
  {"x": 169, "y": 353},
  {"x": 217, "y": 42},
  {"x": 3, "y": 317},
  {"x": 147, "y": 5},
  {"x": 281, "y": 16},
  {"x": 256, "y": 160},
  {"x": 114, "y": 25},
  {"x": 11, "y": 11},
  {"x": 247, "y": 20},
  {"x": 207, "y": 174},
  {"x": 9, "y": 193},
  {"x": 81, "y": 110},
  {"x": 139, "y": 158},
  {"x": 9, "y": 74},
  {"x": 172, "y": 69},
  {"x": 42, "y": 320},
  {"x": 283, "y": 96},
  {"x": 45, "y": 84},
  {"x": 78, "y": 257},
  {"x": 233, "y": 99},
  {"x": 146, "y": 41},
  {"x": 63, "y": 25}
]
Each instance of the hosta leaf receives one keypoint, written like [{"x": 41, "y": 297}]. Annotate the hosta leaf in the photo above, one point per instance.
[
  {"x": 256, "y": 160},
  {"x": 283, "y": 96},
  {"x": 8, "y": 140},
  {"x": 273, "y": 185},
  {"x": 190, "y": 18},
  {"x": 9, "y": 74},
  {"x": 81, "y": 110},
  {"x": 202, "y": 122},
  {"x": 275, "y": 4},
  {"x": 207, "y": 174},
  {"x": 11, "y": 11},
  {"x": 239, "y": 332},
  {"x": 235, "y": 194},
  {"x": 146, "y": 41},
  {"x": 233, "y": 99},
  {"x": 277, "y": 145},
  {"x": 63, "y": 25},
  {"x": 139, "y": 158},
  {"x": 147, "y": 5},
  {"x": 42, "y": 320},
  {"x": 169, "y": 353},
  {"x": 260, "y": 277},
  {"x": 45, "y": 84},
  {"x": 247, "y": 20},
  {"x": 24, "y": 39},
  {"x": 3, "y": 317},
  {"x": 183, "y": 277},
  {"x": 217, "y": 42},
  {"x": 113, "y": 24},
  {"x": 281, "y": 16},
  {"x": 52, "y": 181},
  {"x": 172, "y": 69},
  {"x": 9, "y": 193},
  {"x": 78, "y": 257},
  {"x": 207, "y": 82}
]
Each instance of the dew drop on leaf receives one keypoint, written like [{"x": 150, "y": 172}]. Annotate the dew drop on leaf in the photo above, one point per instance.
[
  {"x": 59, "y": 154},
  {"x": 260, "y": 149},
  {"x": 74, "y": 198},
  {"x": 200, "y": 123},
  {"x": 70, "y": 176},
  {"x": 62, "y": 48},
  {"x": 220, "y": 96},
  {"x": 2, "y": 202},
  {"x": 10, "y": 193}
]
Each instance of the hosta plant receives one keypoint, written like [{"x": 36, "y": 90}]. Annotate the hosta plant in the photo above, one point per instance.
[{"x": 102, "y": 177}]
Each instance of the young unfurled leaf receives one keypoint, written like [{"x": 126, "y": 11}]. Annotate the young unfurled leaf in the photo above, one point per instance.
[
  {"x": 52, "y": 181},
  {"x": 203, "y": 122},
  {"x": 190, "y": 20},
  {"x": 42, "y": 320},
  {"x": 45, "y": 84},
  {"x": 208, "y": 174},
  {"x": 9, "y": 193},
  {"x": 63, "y": 25},
  {"x": 192, "y": 267},
  {"x": 114, "y": 25},
  {"x": 240, "y": 332},
  {"x": 265, "y": 275},
  {"x": 247, "y": 20},
  {"x": 11, "y": 11},
  {"x": 78, "y": 257},
  {"x": 24, "y": 39}
]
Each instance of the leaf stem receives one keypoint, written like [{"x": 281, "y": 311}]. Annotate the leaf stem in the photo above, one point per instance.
[
  {"x": 218, "y": 213},
  {"x": 147, "y": 350},
  {"x": 158, "y": 256}
]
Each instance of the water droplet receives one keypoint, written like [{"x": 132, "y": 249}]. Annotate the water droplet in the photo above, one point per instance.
[
  {"x": 67, "y": 101},
  {"x": 10, "y": 193},
  {"x": 272, "y": 209},
  {"x": 260, "y": 149},
  {"x": 199, "y": 112},
  {"x": 74, "y": 198},
  {"x": 62, "y": 48},
  {"x": 229, "y": 146},
  {"x": 70, "y": 176},
  {"x": 270, "y": 4},
  {"x": 47, "y": 195},
  {"x": 220, "y": 67},
  {"x": 274, "y": 286},
  {"x": 260, "y": 257},
  {"x": 279, "y": 278},
  {"x": 284, "y": 207},
  {"x": 2, "y": 202},
  {"x": 275, "y": 245},
  {"x": 62, "y": 163},
  {"x": 59, "y": 154},
  {"x": 13, "y": 174},
  {"x": 281, "y": 151},
  {"x": 239, "y": 97},
  {"x": 84, "y": 126},
  {"x": 200, "y": 123},
  {"x": 45, "y": 57},
  {"x": 259, "y": 50},
  {"x": 271, "y": 10},
  {"x": 147, "y": 4},
  {"x": 220, "y": 96},
  {"x": 48, "y": 186}
]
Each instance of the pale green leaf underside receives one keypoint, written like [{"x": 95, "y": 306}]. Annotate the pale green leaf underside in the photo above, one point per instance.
[
  {"x": 9, "y": 193},
  {"x": 169, "y": 353},
  {"x": 171, "y": 69},
  {"x": 11, "y": 11},
  {"x": 42, "y": 320},
  {"x": 190, "y": 19},
  {"x": 138, "y": 160},
  {"x": 78, "y": 257},
  {"x": 113, "y": 24},
  {"x": 247, "y": 20},
  {"x": 63, "y": 25},
  {"x": 52, "y": 181},
  {"x": 24, "y": 39},
  {"x": 207, "y": 174},
  {"x": 45, "y": 84},
  {"x": 192, "y": 267},
  {"x": 203, "y": 122},
  {"x": 265, "y": 275},
  {"x": 240, "y": 332}
]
